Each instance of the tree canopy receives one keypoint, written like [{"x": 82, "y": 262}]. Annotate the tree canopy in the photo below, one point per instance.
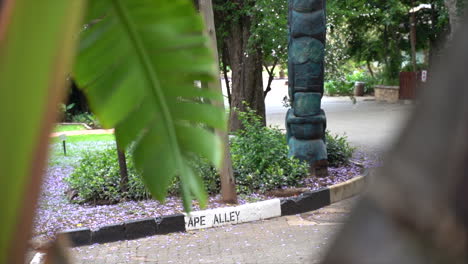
[{"x": 378, "y": 31}]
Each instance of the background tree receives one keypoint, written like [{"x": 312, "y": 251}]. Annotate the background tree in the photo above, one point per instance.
[
  {"x": 336, "y": 46},
  {"x": 234, "y": 20},
  {"x": 270, "y": 29},
  {"x": 379, "y": 32}
]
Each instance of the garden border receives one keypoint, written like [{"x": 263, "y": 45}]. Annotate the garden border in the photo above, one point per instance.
[
  {"x": 305, "y": 202},
  {"x": 75, "y": 123}
]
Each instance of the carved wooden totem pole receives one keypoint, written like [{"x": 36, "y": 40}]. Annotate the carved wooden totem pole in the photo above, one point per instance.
[{"x": 305, "y": 121}]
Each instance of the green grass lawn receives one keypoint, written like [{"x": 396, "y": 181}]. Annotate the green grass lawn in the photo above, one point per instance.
[
  {"x": 76, "y": 146},
  {"x": 63, "y": 128},
  {"x": 85, "y": 138}
]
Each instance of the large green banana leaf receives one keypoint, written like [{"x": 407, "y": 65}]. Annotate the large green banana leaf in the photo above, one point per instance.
[{"x": 137, "y": 63}]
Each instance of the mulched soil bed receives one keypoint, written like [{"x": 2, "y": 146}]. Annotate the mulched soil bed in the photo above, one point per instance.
[{"x": 55, "y": 213}]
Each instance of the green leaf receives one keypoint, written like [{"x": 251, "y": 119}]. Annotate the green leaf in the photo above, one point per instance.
[
  {"x": 35, "y": 52},
  {"x": 138, "y": 62}
]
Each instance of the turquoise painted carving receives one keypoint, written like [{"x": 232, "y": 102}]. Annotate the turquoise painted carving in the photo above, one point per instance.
[
  {"x": 306, "y": 121},
  {"x": 307, "y": 5},
  {"x": 307, "y": 24},
  {"x": 306, "y": 104},
  {"x": 306, "y": 49}
]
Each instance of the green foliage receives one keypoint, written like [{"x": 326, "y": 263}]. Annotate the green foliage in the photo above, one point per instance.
[
  {"x": 87, "y": 138},
  {"x": 67, "y": 127},
  {"x": 76, "y": 145},
  {"x": 34, "y": 61},
  {"x": 86, "y": 118},
  {"x": 338, "y": 149},
  {"x": 419, "y": 67},
  {"x": 361, "y": 76},
  {"x": 270, "y": 30},
  {"x": 210, "y": 175},
  {"x": 260, "y": 157},
  {"x": 97, "y": 179},
  {"x": 336, "y": 55},
  {"x": 378, "y": 31},
  {"x": 137, "y": 63},
  {"x": 345, "y": 86},
  {"x": 64, "y": 111},
  {"x": 338, "y": 88},
  {"x": 268, "y": 26}
]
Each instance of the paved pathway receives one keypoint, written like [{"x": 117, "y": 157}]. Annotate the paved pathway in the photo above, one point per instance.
[
  {"x": 291, "y": 239},
  {"x": 371, "y": 126}
]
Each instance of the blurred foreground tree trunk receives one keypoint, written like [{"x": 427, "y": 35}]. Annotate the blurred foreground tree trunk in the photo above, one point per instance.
[
  {"x": 415, "y": 210},
  {"x": 455, "y": 12}
]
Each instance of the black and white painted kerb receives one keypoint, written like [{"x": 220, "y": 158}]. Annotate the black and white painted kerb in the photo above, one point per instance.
[
  {"x": 233, "y": 215},
  {"x": 305, "y": 202}
]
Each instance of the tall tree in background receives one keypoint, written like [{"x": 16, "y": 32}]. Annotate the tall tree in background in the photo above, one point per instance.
[
  {"x": 233, "y": 20},
  {"x": 270, "y": 29},
  {"x": 336, "y": 53},
  {"x": 379, "y": 31}
]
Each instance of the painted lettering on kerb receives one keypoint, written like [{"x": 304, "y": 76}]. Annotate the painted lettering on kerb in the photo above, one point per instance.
[
  {"x": 222, "y": 218},
  {"x": 197, "y": 221},
  {"x": 233, "y": 215}
]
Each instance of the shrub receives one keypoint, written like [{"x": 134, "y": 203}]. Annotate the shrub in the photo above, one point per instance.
[
  {"x": 260, "y": 157},
  {"x": 346, "y": 86},
  {"x": 359, "y": 76},
  {"x": 64, "y": 112},
  {"x": 419, "y": 67},
  {"x": 86, "y": 118},
  {"x": 209, "y": 174},
  {"x": 97, "y": 179},
  {"x": 338, "y": 88},
  {"x": 338, "y": 149}
]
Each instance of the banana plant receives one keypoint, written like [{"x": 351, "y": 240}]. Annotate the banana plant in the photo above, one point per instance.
[{"x": 137, "y": 61}]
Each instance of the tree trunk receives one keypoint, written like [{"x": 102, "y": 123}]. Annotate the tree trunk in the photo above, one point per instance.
[
  {"x": 246, "y": 66},
  {"x": 413, "y": 37},
  {"x": 224, "y": 59},
  {"x": 454, "y": 17},
  {"x": 271, "y": 75},
  {"x": 369, "y": 68},
  {"x": 228, "y": 187},
  {"x": 123, "y": 169},
  {"x": 427, "y": 224}
]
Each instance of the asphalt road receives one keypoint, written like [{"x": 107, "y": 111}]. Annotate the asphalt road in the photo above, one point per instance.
[{"x": 369, "y": 125}]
